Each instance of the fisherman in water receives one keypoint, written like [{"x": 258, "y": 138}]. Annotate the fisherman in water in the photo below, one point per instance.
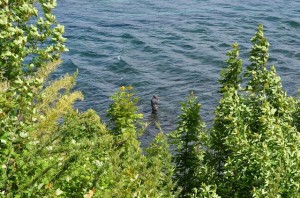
[{"x": 154, "y": 104}]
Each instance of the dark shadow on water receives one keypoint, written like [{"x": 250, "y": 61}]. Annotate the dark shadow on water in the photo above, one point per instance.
[{"x": 151, "y": 130}]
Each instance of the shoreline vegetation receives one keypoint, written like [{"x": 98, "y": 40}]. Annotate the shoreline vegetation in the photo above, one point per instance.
[{"x": 49, "y": 149}]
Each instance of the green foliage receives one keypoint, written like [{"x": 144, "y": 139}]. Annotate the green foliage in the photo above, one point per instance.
[
  {"x": 49, "y": 149},
  {"x": 205, "y": 191},
  {"x": 136, "y": 175},
  {"x": 258, "y": 56},
  {"x": 231, "y": 74},
  {"x": 28, "y": 34},
  {"x": 254, "y": 142},
  {"x": 296, "y": 113},
  {"x": 30, "y": 136},
  {"x": 123, "y": 119},
  {"x": 123, "y": 111},
  {"x": 29, "y": 40},
  {"x": 160, "y": 161},
  {"x": 226, "y": 113},
  {"x": 188, "y": 153},
  {"x": 66, "y": 163}
]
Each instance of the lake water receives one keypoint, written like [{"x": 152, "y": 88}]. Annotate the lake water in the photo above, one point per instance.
[{"x": 171, "y": 47}]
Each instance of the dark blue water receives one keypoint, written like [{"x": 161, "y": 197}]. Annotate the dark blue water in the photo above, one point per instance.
[{"x": 171, "y": 47}]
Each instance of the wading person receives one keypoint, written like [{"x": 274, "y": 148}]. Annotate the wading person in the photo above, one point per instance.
[{"x": 154, "y": 104}]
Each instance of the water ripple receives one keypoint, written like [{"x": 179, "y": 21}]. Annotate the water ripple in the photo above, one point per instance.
[{"x": 171, "y": 47}]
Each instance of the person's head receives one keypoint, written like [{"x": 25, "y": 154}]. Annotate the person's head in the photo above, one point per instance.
[{"x": 155, "y": 96}]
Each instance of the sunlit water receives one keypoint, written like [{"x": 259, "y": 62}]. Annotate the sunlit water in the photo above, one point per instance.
[{"x": 171, "y": 47}]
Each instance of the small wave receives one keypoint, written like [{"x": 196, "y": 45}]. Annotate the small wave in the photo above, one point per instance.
[
  {"x": 171, "y": 47},
  {"x": 297, "y": 56},
  {"x": 92, "y": 54},
  {"x": 188, "y": 47},
  {"x": 223, "y": 45},
  {"x": 136, "y": 41},
  {"x": 293, "y": 24},
  {"x": 122, "y": 67},
  {"x": 151, "y": 49},
  {"x": 127, "y": 36}
]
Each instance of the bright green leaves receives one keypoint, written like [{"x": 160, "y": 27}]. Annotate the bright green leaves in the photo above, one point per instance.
[
  {"x": 25, "y": 47},
  {"x": 24, "y": 33},
  {"x": 136, "y": 174},
  {"x": 3, "y": 20},
  {"x": 230, "y": 75},
  {"x": 159, "y": 161},
  {"x": 49, "y": 149},
  {"x": 253, "y": 141},
  {"x": 49, "y": 5},
  {"x": 123, "y": 112},
  {"x": 259, "y": 54},
  {"x": 258, "y": 57},
  {"x": 188, "y": 153}
]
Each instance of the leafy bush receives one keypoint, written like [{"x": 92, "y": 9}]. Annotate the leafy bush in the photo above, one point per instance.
[
  {"x": 254, "y": 142},
  {"x": 187, "y": 140},
  {"x": 49, "y": 149}
]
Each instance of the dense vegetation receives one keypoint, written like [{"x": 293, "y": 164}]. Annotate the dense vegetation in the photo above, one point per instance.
[{"x": 49, "y": 149}]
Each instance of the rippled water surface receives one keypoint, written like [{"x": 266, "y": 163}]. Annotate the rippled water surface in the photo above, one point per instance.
[{"x": 170, "y": 47}]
